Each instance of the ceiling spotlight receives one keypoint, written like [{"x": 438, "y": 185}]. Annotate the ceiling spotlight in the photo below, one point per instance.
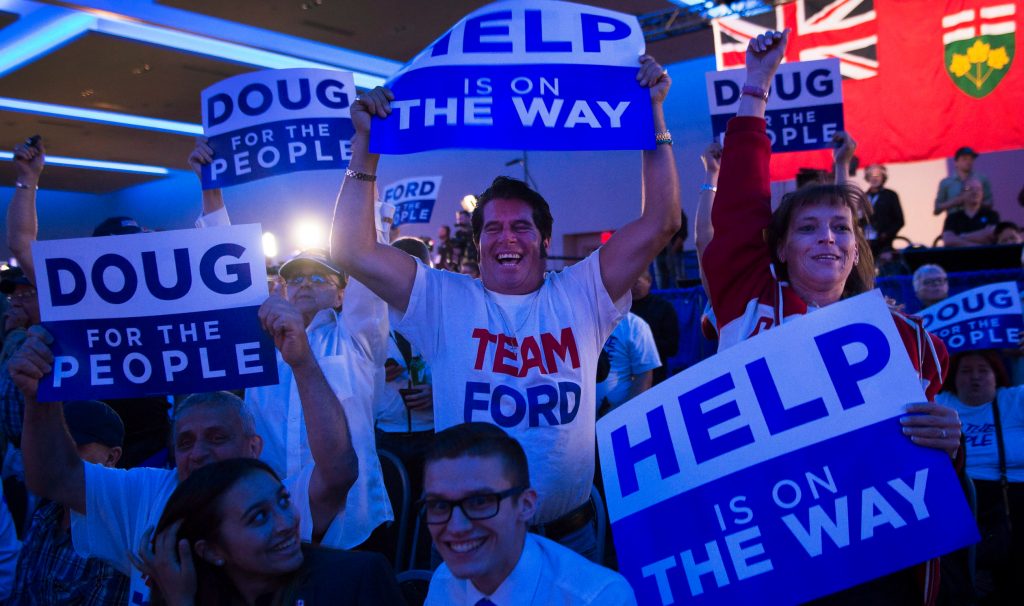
[
  {"x": 269, "y": 245},
  {"x": 309, "y": 233}
]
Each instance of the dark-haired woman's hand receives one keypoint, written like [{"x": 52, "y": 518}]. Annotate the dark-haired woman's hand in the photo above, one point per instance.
[{"x": 168, "y": 562}]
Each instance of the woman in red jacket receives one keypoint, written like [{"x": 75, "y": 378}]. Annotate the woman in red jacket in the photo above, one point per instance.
[{"x": 764, "y": 268}]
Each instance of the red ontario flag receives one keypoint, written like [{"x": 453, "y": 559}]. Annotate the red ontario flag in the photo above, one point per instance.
[{"x": 920, "y": 77}]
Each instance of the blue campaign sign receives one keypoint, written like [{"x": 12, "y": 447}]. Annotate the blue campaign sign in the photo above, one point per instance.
[
  {"x": 805, "y": 104},
  {"x": 413, "y": 199},
  {"x": 527, "y": 74},
  {"x": 987, "y": 317},
  {"x": 780, "y": 466},
  {"x": 276, "y": 122},
  {"x": 156, "y": 313}
]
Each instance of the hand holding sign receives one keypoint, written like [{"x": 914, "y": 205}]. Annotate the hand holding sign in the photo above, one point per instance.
[
  {"x": 655, "y": 77},
  {"x": 200, "y": 156},
  {"x": 376, "y": 102},
  {"x": 31, "y": 362},
  {"x": 933, "y": 426}
]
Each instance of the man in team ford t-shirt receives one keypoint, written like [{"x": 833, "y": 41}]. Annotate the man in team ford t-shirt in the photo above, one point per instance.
[{"x": 518, "y": 347}]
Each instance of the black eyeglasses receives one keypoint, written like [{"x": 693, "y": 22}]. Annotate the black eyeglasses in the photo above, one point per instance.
[
  {"x": 474, "y": 507},
  {"x": 315, "y": 280}
]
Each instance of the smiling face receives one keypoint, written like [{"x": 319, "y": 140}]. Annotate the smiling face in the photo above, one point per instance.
[
  {"x": 311, "y": 289},
  {"x": 484, "y": 551},
  {"x": 205, "y": 433},
  {"x": 932, "y": 287},
  {"x": 258, "y": 537},
  {"x": 819, "y": 250},
  {"x": 510, "y": 248},
  {"x": 975, "y": 381}
]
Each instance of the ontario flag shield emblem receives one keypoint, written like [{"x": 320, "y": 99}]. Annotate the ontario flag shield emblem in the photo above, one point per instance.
[{"x": 979, "y": 46}]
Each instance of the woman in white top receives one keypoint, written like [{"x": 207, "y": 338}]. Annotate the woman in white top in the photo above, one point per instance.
[{"x": 978, "y": 388}]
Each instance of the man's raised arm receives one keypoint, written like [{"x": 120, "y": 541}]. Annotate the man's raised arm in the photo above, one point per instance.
[
  {"x": 386, "y": 271},
  {"x": 330, "y": 443},
  {"x": 22, "y": 223},
  {"x": 632, "y": 248},
  {"x": 53, "y": 469}
]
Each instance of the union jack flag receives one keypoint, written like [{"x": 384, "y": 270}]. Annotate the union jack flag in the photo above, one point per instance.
[{"x": 845, "y": 29}]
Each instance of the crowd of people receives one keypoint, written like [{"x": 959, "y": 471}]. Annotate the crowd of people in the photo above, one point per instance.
[{"x": 280, "y": 495}]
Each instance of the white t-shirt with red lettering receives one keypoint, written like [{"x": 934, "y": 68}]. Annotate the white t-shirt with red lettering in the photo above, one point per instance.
[{"x": 526, "y": 363}]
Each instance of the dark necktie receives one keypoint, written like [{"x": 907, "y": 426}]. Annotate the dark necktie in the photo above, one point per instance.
[
  {"x": 404, "y": 347},
  {"x": 485, "y": 602}
]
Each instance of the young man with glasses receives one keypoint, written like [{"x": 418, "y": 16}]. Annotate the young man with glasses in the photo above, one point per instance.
[{"x": 477, "y": 503}]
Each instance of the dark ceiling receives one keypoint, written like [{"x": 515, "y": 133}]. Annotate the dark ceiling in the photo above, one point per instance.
[
  {"x": 395, "y": 29},
  {"x": 100, "y": 71}
]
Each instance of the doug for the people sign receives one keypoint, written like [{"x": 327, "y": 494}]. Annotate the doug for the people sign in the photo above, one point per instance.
[
  {"x": 986, "y": 317},
  {"x": 157, "y": 313},
  {"x": 777, "y": 469},
  {"x": 276, "y": 122},
  {"x": 805, "y": 103}
]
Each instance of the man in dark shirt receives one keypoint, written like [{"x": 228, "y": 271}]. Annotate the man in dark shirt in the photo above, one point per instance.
[
  {"x": 974, "y": 225},
  {"x": 661, "y": 316}
]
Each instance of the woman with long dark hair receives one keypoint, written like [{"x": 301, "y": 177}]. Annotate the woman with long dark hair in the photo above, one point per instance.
[{"x": 230, "y": 535}]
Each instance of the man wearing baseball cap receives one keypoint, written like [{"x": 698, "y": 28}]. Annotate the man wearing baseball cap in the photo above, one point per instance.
[
  {"x": 349, "y": 342},
  {"x": 313, "y": 282},
  {"x": 49, "y": 571},
  {"x": 951, "y": 189}
]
